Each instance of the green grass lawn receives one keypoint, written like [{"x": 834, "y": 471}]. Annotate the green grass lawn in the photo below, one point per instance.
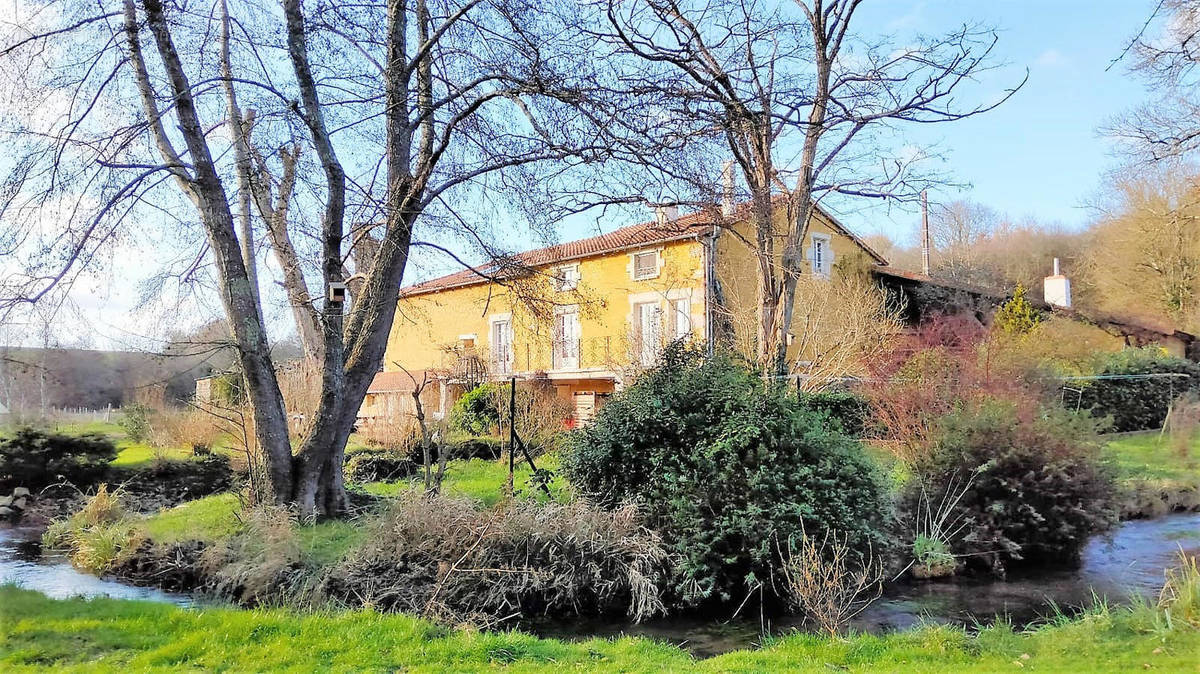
[
  {"x": 483, "y": 480},
  {"x": 105, "y": 635},
  {"x": 1149, "y": 456}
]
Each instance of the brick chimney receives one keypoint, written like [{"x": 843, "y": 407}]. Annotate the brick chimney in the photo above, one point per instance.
[{"x": 1056, "y": 289}]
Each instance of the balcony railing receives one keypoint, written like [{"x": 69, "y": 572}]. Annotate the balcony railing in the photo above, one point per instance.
[{"x": 565, "y": 354}]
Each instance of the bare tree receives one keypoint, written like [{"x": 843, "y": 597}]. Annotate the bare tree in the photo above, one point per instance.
[
  {"x": 956, "y": 230},
  {"x": 403, "y": 106},
  {"x": 1166, "y": 53},
  {"x": 1143, "y": 254},
  {"x": 802, "y": 104}
]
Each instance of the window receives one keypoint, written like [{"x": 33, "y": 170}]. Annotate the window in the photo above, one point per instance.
[
  {"x": 821, "y": 255},
  {"x": 649, "y": 331},
  {"x": 566, "y": 339},
  {"x": 566, "y": 277},
  {"x": 502, "y": 345},
  {"x": 681, "y": 318},
  {"x": 645, "y": 265}
]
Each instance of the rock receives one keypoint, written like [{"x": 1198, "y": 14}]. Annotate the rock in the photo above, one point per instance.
[
  {"x": 5, "y": 501},
  {"x": 20, "y": 504},
  {"x": 20, "y": 491},
  {"x": 6, "y": 512}
]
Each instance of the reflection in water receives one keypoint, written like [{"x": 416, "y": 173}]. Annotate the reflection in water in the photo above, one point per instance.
[
  {"x": 21, "y": 563},
  {"x": 1130, "y": 562}
]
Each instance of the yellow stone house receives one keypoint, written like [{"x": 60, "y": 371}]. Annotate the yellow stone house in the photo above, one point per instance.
[{"x": 586, "y": 315}]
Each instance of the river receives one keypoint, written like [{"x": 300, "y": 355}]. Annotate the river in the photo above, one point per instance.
[{"x": 1128, "y": 563}]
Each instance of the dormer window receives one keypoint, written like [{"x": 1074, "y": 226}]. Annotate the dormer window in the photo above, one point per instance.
[
  {"x": 566, "y": 277},
  {"x": 645, "y": 265}
]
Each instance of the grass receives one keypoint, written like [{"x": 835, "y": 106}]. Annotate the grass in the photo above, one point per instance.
[
  {"x": 102, "y": 635},
  {"x": 207, "y": 519},
  {"x": 483, "y": 480},
  {"x": 1148, "y": 456}
]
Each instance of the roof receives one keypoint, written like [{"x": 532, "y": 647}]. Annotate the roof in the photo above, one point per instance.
[
  {"x": 681, "y": 228},
  {"x": 398, "y": 382},
  {"x": 1129, "y": 324}
]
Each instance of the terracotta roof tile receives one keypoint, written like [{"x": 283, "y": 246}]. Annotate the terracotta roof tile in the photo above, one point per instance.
[
  {"x": 396, "y": 382},
  {"x": 633, "y": 236}
]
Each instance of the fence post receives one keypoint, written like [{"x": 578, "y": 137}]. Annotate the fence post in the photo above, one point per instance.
[{"x": 512, "y": 434}]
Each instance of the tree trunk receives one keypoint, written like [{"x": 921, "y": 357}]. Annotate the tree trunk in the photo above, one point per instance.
[{"x": 237, "y": 296}]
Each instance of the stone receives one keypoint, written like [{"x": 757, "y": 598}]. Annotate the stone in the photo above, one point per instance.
[
  {"x": 5, "y": 501},
  {"x": 20, "y": 491},
  {"x": 5, "y": 511},
  {"x": 19, "y": 504}
]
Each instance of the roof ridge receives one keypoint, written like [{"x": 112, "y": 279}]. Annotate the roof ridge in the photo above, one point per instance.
[{"x": 622, "y": 238}]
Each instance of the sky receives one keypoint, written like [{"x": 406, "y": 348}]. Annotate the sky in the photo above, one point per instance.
[{"x": 1038, "y": 156}]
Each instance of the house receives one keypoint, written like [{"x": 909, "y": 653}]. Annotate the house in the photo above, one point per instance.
[
  {"x": 585, "y": 315},
  {"x": 925, "y": 296}
]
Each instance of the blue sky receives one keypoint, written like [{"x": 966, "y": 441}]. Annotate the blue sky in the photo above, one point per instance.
[{"x": 1039, "y": 155}]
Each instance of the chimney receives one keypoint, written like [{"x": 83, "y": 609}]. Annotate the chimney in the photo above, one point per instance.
[
  {"x": 727, "y": 189},
  {"x": 665, "y": 214},
  {"x": 1056, "y": 289}
]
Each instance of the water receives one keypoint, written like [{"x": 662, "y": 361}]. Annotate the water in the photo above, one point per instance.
[
  {"x": 1129, "y": 563},
  {"x": 22, "y": 563}
]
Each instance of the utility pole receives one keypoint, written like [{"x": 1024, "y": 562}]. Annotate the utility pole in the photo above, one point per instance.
[{"x": 925, "y": 232}]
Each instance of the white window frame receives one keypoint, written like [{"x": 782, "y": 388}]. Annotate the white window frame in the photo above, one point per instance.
[
  {"x": 564, "y": 279},
  {"x": 648, "y": 346},
  {"x": 824, "y": 268},
  {"x": 510, "y": 356},
  {"x": 558, "y": 362},
  {"x": 658, "y": 264},
  {"x": 681, "y": 320}
]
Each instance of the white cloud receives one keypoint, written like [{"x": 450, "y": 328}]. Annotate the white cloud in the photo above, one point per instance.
[{"x": 1051, "y": 58}]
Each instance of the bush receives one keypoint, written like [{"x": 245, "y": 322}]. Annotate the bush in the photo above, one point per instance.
[
  {"x": 1029, "y": 484},
  {"x": 135, "y": 421},
  {"x": 847, "y": 411},
  {"x": 1139, "y": 404},
  {"x": 477, "y": 412},
  {"x": 35, "y": 459},
  {"x": 374, "y": 465},
  {"x": 725, "y": 469},
  {"x": 443, "y": 558},
  {"x": 474, "y": 448}
]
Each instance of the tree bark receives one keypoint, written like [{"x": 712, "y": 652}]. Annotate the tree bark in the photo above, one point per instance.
[{"x": 237, "y": 296}]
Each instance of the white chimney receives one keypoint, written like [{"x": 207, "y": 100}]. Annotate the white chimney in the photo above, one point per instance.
[
  {"x": 727, "y": 189},
  {"x": 1057, "y": 288},
  {"x": 665, "y": 214}
]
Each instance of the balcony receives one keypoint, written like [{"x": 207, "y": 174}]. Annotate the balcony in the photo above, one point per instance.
[{"x": 565, "y": 354}]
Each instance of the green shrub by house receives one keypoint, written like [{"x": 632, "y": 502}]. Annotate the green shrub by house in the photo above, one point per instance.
[
  {"x": 477, "y": 411},
  {"x": 1028, "y": 485},
  {"x": 849, "y": 412},
  {"x": 727, "y": 470},
  {"x": 1138, "y": 404},
  {"x": 34, "y": 459}
]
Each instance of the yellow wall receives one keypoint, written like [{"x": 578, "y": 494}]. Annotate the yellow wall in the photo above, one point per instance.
[
  {"x": 737, "y": 272},
  {"x": 427, "y": 328}
]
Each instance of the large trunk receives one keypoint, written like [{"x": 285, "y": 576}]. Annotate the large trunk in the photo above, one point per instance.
[{"x": 240, "y": 302}]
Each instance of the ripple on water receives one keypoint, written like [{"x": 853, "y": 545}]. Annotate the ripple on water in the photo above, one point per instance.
[{"x": 52, "y": 575}]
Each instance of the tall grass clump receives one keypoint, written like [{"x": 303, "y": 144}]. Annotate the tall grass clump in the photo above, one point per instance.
[
  {"x": 96, "y": 537},
  {"x": 444, "y": 558}
]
